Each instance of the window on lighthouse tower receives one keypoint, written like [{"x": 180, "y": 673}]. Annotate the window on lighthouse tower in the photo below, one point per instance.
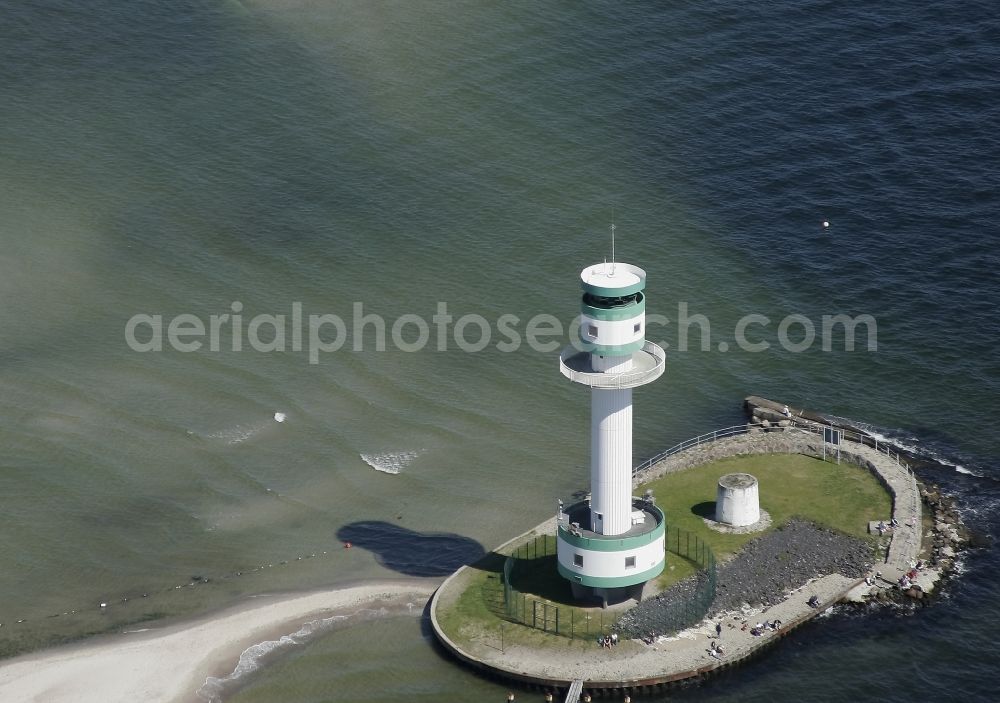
[{"x": 592, "y": 331}]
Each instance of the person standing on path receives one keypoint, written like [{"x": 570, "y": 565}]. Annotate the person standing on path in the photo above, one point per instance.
[{"x": 718, "y": 630}]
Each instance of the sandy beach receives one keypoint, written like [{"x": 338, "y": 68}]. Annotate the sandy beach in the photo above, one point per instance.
[{"x": 171, "y": 663}]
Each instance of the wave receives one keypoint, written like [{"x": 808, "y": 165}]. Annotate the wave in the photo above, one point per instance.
[
  {"x": 391, "y": 462},
  {"x": 983, "y": 507},
  {"x": 905, "y": 441},
  {"x": 979, "y": 502},
  {"x": 241, "y": 433},
  {"x": 257, "y": 655}
]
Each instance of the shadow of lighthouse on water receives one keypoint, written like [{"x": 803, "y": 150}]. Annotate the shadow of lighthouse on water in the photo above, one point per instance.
[{"x": 409, "y": 552}]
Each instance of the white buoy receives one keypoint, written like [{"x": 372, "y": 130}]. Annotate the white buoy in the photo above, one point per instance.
[
  {"x": 279, "y": 417},
  {"x": 825, "y": 224}
]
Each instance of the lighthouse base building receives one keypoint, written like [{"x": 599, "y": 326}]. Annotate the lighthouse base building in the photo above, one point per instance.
[{"x": 612, "y": 568}]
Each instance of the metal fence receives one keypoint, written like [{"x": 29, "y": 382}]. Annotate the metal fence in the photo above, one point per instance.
[
  {"x": 682, "y": 606},
  {"x": 688, "y": 443},
  {"x": 587, "y": 623},
  {"x": 689, "y": 606},
  {"x": 530, "y": 610},
  {"x": 827, "y": 432}
]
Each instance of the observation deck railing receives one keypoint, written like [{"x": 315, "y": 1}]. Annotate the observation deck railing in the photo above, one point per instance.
[
  {"x": 649, "y": 363},
  {"x": 820, "y": 430}
]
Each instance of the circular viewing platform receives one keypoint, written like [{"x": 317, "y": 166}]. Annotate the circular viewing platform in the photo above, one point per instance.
[
  {"x": 648, "y": 364},
  {"x": 574, "y": 527}
]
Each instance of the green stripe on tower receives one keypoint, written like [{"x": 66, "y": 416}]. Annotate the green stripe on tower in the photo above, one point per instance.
[{"x": 611, "y": 544}]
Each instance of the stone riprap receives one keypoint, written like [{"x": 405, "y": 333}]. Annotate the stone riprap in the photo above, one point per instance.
[
  {"x": 762, "y": 574},
  {"x": 633, "y": 664},
  {"x": 767, "y": 568},
  {"x": 655, "y": 616}
]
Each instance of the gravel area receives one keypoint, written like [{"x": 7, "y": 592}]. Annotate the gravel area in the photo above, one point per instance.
[
  {"x": 664, "y": 613},
  {"x": 761, "y": 574},
  {"x": 768, "y": 567}
]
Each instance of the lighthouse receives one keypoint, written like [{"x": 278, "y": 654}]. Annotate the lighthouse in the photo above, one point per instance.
[{"x": 611, "y": 543}]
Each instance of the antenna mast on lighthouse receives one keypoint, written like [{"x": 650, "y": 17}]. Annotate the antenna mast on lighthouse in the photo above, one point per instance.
[{"x": 612, "y": 241}]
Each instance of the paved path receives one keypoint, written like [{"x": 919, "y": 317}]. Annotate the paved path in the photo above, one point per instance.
[
  {"x": 906, "y": 509},
  {"x": 633, "y": 664}
]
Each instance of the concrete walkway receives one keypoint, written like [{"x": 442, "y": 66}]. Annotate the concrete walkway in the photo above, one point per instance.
[
  {"x": 633, "y": 664},
  {"x": 906, "y": 509}
]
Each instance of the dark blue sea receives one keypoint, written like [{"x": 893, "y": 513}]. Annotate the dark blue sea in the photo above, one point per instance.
[{"x": 784, "y": 160}]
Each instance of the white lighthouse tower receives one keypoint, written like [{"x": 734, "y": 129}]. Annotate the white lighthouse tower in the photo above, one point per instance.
[{"x": 612, "y": 543}]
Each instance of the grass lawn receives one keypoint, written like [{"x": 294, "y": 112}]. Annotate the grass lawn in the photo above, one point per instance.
[
  {"x": 477, "y": 615},
  {"x": 844, "y": 497}
]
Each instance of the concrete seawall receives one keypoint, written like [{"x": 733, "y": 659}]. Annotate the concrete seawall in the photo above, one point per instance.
[{"x": 634, "y": 666}]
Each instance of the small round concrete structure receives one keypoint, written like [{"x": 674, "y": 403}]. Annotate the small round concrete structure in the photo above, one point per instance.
[{"x": 737, "y": 502}]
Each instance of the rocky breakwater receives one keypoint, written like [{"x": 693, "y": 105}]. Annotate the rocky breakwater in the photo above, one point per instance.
[
  {"x": 948, "y": 535},
  {"x": 915, "y": 567},
  {"x": 939, "y": 559}
]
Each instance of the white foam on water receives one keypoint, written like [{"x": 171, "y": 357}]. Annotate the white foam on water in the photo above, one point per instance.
[
  {"x": 913, "y": 445},
  {"x": 983, "y": 507},
  {"x": 237, "y": 433},
  {"x": 254, "y": 656},
  {"x": 909, "y": 444},
  {"x": 390, "y": 462}
]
